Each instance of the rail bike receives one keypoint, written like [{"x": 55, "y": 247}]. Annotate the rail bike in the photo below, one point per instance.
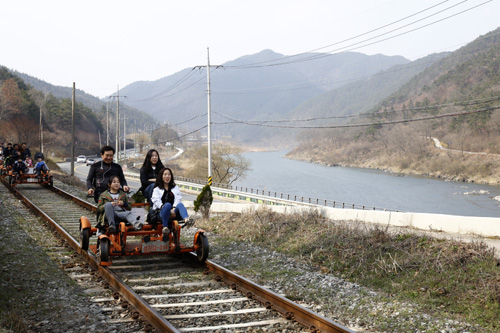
[
  {"x": 147, "y": 241},
  {"x": 45, "y": 178}
]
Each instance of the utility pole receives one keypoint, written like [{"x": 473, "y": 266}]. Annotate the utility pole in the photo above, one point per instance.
[
  {"x": 73, "y": 132},
  {"x": 41, "y": 124},
  {"x": 107, "y": 122},
  {"x": 117, "y": 135},
  {"x": 209, "y": 117},
  {"x": 124, "y": 138}
]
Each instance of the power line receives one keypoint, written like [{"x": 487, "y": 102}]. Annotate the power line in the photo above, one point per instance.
[
  {"x": 404, "y": 67},
  {"x": 370, "y": 124},
  {"x": 342, "y": 41},
  {"x": 332, "y": 52},
  {"x": 184, "y": 135},
  {"x": 368, "y": 114},
  {"x": 174, "y": 85}
]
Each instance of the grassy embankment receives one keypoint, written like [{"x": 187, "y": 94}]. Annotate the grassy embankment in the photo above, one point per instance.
[{"x": 444, "y": 277}]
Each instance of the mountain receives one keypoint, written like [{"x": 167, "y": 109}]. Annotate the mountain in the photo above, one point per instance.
[
  {"x": 251, "y": 88},
  {"x": 361, "y": 95}
]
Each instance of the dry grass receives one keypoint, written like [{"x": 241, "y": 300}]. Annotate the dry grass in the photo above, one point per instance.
[{"x": 460, "y": 278}]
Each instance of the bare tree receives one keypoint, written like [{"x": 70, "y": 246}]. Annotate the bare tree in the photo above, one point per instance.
[{"x": 228, "y": 165}]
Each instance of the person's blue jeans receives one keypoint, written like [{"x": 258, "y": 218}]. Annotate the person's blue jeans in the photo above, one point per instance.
[
  {"x": 180, "y": 213},
  {"x": 148, "y": 192}
]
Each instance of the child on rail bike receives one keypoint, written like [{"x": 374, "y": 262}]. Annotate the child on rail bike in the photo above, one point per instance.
[
  {"x": 19, "y": 167},
  {"x": 114, "y": 206},
  {"x": 41, "y": 167}
]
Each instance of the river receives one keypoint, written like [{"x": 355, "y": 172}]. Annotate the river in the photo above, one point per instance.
[{"x": 270, "y": 171}]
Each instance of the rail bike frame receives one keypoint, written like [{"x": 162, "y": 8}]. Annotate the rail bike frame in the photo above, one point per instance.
[
  {"x": 152, "y": 240},
  {"x": 29, "y": 177}
]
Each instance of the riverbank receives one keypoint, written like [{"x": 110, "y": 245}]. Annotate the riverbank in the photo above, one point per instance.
[{"x": 444, "y": 165}]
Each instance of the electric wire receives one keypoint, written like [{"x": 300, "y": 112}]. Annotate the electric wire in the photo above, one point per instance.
[
  {"x": 344, "y": 40},
  {"x": 174, "y": 85},
  {"x": 492, "y": 108},
  {"x": 370, "y": 114},
  {"x": 351, "y": 48}
]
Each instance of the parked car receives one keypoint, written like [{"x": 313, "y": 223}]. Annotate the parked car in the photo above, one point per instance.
[
  {"x": 81, "y": 159},
  {"x": 93, "y": 160}
]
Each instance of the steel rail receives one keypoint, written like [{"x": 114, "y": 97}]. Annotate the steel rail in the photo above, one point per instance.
[
  {"x": 152, "y": 316},
  {"x": 292, "y": 311}
]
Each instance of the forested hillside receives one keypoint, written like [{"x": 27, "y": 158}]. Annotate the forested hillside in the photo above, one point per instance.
[
  {"x": 140, "y": 119},
  {"x": 20, "y": 106},
  {"x": 459, "y": 98}
]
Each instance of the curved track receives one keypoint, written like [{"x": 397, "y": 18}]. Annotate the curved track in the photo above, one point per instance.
[{"x": 174, "y": 293}]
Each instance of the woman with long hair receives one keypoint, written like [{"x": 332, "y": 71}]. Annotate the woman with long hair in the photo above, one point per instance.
[
  {"x": 167, "y": 197},
  {"x": 149, "y": 170}
]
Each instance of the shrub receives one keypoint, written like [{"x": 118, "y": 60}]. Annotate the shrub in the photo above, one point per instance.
[{"x": 204, "y": 201}]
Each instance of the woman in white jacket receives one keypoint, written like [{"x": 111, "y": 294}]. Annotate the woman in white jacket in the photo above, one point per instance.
[{"x": 167, "y": 197}]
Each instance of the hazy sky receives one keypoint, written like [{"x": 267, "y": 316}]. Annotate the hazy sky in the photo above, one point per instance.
[{"x": 103, "y": 44}]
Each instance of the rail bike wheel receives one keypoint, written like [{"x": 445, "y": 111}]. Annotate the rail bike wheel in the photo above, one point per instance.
[
  {"x": 104, "y": 250},
  {"x": 85, "y": 239},
  {"x": 203, "y": 248}
]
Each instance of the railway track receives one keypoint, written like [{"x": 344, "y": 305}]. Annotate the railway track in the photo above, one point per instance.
[{"x": 168, "y": 293}]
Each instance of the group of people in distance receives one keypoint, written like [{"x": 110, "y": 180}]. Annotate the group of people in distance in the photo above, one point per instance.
[
  {"x": 107, "y": 183},
  {"x": 18, "y": 157}
]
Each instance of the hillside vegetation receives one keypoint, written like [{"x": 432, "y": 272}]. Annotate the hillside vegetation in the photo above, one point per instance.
[
  {"x": 22, "y": 97},
  {"x": 459, "y": 96}
]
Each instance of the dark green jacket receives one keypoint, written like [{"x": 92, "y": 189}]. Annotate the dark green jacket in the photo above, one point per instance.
[{"x": 106, "y": 197}]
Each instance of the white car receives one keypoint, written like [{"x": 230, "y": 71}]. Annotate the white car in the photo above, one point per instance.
[
  {"x": 81, "y": 159},
  {"x": 92, "y": 160}
]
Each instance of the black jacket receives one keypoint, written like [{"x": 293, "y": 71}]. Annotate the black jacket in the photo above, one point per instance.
[
  {"x": 99, "y": 174},
  {"x": 147, "y": 174}
]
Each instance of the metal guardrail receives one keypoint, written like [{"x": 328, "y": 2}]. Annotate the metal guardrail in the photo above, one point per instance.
[
  {"x": 260, "y": 196},
  {"x": 271, "y": 198}
]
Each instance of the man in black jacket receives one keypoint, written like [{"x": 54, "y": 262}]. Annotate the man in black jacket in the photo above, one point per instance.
[{"x": 99, "y": 173}]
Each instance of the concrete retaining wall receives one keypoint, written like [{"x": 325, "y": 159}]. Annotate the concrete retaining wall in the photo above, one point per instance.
[{"x": 465, "y": 225}]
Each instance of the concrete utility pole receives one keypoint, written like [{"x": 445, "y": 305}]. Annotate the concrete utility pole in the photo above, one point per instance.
[
  {"x": 124, "y": 137},
  {"x": 209, "y": 117},
  {"x": 73, "y": 132},
  {"x": 107, "y": 122},
  {"x": 209, "y": 122},
  {"x": 41, "y": 124},
  {"x": 117, "y": 136}
]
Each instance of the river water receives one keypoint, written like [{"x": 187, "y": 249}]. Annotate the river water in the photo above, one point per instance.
[{"x": 270, "y": 171}]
